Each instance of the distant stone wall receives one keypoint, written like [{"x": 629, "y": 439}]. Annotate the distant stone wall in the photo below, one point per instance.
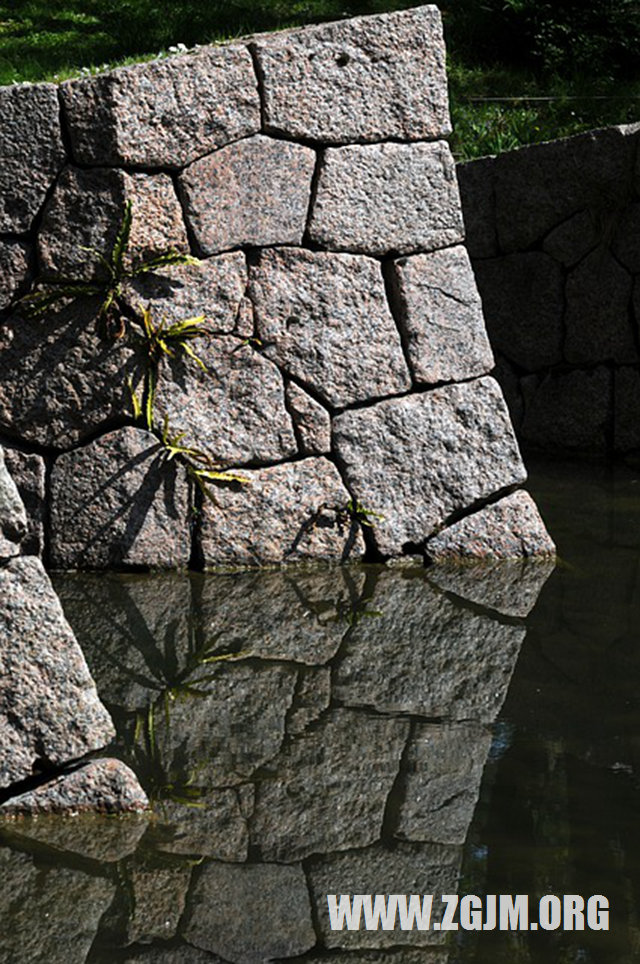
[
  {"x": 553, "y": 231},
  {"x": 348, "y": 359}
]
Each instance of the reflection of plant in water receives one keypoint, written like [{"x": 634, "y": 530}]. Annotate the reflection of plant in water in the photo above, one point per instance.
[{"x": 166, "y": 782}]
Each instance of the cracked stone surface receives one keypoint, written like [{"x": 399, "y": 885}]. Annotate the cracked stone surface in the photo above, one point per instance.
[
  {"x": 288, "y": 513},
  {"x": 86, "y": 211},
  {"x": 423, "y": 655},
  {"x": 58, "y": 381},
  {"x": 568, "y": 410},
  {"x": 116, "y": 503},
  {"x": 276, "y": 918},
  {"x": 14, "y": 269},
  {"x": 32, "y": 152},
  {"x": 523, "y": 301},
  {"x": 165, "y": 113},
  {"x": 28, "y": 473},
  {"x": 324, "y": 319},
  {"x": 331, "y": 787},
  {"x": 49, "y": 914},
  {"x": 368, "y": 79},
  {"x": 234, "y": 410},
  {"x": 444, "y": 767},
  {"x": 49, "y": 707},
  {"x": 253, "y": 192},
  {"x": 13, "y": 518},
  {"x": 416, "y": 460},
  {"x": 214, "y": 288},
  {"x": 573, "y": 239},
  {"x": 101, "y": 786},
  {"x": 440, "y": 316},
  {"x": 378, "y": 198},
  {"x": 237, "y": 727},
  {"x": 407, "y": 869},
  {"x": 313, "y": 695},
  {"x": 508, "y": 529},
  {"x": 311, "y": 420}
]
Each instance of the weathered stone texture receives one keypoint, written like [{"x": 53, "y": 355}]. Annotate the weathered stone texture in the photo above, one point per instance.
[
  {"x": 101, "y": 786},
  {"x": 598, "y": 293},
  {"x": 311, "y": 420},
  {"x": 522, "y": 296},
  {"x": 86, "y": 210},
  {"x": 294, "y": 512},
  {"x": 49, "y": 708},
  {"x": 422, "y": 654},
  {"x": 324, "y": 319},
  {"x": 508, "y": 529},
  {"x": 331, "y": 787},
  {"x": 32, "y": 152},
  {"x": 214, "y": 288},
  {"x": 383, "y": 198},
  {"x": 313, "y": 695},
  {"x": 407, "y": 869},
  {"x": 117, "y": 503},
  {"x": 253, "y": 192},
  {"x": 48, "y": 913},
  {"x": 13, "y": 518},
  {"x": 165, "y": 113},
  {"x": 440, "y": 316},
  {"x": 14, "y": 270},
  {"x": 89, "y": 835},
  {"x": 251, "y": 913},
  {"x": 444, "y": 766},
  {"x": 58, "y": 381},
  {"x": 234, "y": 410},
  {"x": 457, "y": 441},
  {"x": 368, "y": 79},
  {"x": 570, "y": 410},
  {"x": 626, "y": 406},
  {"x": 28, "y": 473},
  {"x": 508, "y": 379}
]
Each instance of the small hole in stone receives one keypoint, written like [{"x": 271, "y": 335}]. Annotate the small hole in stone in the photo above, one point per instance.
[{"x": 342, "y": 60}]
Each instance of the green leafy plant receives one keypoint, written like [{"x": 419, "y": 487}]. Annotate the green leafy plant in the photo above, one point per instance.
[
  {"x": 112, "y": 313},
  {"x": 356, "y": 510}
]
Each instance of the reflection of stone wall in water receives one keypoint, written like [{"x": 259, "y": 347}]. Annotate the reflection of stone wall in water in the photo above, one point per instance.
[
  {"x": 341, "y": 750},
  {"x": 311, "y": 173},
  {"x": 553, "y": 231}
]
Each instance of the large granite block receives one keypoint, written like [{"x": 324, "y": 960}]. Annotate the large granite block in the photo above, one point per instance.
[
  {"x": 165, "y": 113},
  {"x": 49, "y": 708},
  {"x": 32, "y": 152},
  {"x": 382, "y": 198},
  {"x": 294, "y": 512},
  {"x": 86, "y": 209},
  {"x": 254, "y": 192},
  {"x": 13, "y": 518},
  {"x": 597, "y": 317},
  {"x": 416, "y": 460},
  {"x": 440, "y": 316},
  {"x": 324, "y": 319},
  {"x": 368, "y": 79},
  {"x": 117, "y": 503},
  {"x": 28, "y": 472},
  {"x": 568, "y": 410}
]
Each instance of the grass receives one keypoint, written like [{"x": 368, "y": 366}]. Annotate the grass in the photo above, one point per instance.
[{"x": 56, "y": 39}]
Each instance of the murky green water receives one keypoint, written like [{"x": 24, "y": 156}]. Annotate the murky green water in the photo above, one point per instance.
[{"x": 370, "y": 731}]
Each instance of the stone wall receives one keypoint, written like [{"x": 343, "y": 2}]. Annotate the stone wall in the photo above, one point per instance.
[
  {"x": 553, "y": 231},
  {"x": 347, "y": 363}
]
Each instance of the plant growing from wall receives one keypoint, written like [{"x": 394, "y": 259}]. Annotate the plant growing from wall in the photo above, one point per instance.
[{"x": 155, "y": 341}]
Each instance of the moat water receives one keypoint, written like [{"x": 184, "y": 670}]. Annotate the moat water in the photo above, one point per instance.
[{"x": 362, "y": 731}]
